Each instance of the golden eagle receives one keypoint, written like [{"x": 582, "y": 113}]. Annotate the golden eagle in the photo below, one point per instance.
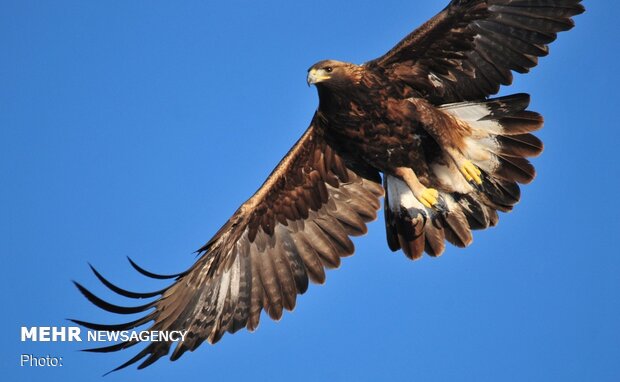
[{"x": 451, "y": 158}]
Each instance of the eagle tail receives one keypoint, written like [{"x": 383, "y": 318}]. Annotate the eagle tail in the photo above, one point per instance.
[
  {"x": 416, "y": 229},
  {"x": 499, "y": 145}
]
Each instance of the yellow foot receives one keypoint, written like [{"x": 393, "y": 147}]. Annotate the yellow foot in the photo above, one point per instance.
[
  {"x": 471, "y": 172},
  {"x": 429, "y": 197}
]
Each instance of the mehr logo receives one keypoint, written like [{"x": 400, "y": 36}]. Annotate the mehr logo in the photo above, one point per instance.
[{"x": 51, "y": 334}]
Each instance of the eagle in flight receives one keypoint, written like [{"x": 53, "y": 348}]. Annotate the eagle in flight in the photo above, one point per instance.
[{"x": 421, "y": 116}]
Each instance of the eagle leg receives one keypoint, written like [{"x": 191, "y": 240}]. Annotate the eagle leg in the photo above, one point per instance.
[
  {"x": 469, "y": 170},
  {"x": 429, "y": 197}
]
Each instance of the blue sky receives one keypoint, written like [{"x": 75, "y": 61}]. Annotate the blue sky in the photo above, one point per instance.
[{"x": 137, "y": 128}]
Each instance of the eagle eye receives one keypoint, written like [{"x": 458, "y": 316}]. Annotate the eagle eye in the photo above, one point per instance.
[{"x": 328, "y": 69}]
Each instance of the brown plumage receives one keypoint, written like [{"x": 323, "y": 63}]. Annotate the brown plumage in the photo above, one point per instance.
[{"x": 450, "y": 158}]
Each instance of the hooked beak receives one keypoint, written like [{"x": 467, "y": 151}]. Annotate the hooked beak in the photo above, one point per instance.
[{"x": 315, "y": 76}]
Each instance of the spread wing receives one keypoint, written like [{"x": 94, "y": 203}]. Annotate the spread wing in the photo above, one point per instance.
[
  {"x": 298, "y": 223},
  {"x": 470, "y": 48}
]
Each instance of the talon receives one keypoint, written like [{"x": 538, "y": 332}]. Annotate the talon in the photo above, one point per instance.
[
  {"x": 429, "y": 197},
  {"x": 471, "y": 172}
]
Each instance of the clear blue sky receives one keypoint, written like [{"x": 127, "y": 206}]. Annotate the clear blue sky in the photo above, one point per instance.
[{"x": 137, "y": 128}]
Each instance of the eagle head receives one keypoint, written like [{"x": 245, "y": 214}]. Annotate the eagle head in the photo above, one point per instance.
[{"x": 331, "y": 73}]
